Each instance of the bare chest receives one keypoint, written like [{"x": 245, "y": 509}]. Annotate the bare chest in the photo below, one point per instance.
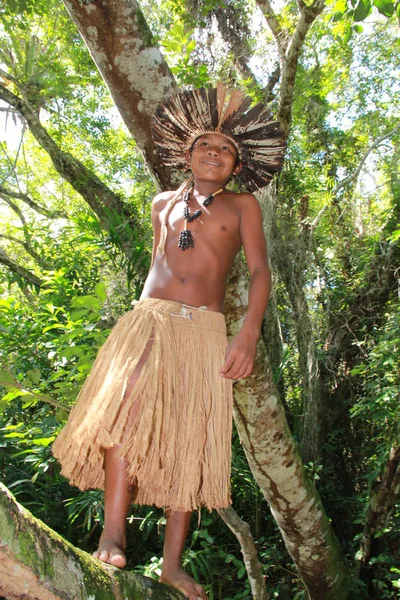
[{"x": 217, "y": 224}]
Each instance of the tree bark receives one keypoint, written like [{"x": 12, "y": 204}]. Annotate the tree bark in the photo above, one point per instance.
[
  {"x": 38, "y": 564},
  {"x": 132, "y": 66},
  {"x": 276, "y": 465},
  {"x": 383, "y": 497}
]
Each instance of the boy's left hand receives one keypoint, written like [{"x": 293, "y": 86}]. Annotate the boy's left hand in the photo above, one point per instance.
[{"x": 239, "y": 357}]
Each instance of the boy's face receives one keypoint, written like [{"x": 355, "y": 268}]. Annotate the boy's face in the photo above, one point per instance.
[{"x": 213, "y": 157}]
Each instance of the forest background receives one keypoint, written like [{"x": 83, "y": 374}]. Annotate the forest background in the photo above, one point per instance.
[{"x": 75, "y": 238}]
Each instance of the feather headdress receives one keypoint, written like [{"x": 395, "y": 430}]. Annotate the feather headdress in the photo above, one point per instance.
[{"x": 259, "y": 139}]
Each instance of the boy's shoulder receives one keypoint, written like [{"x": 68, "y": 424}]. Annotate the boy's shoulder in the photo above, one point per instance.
[
  {"x": 160, "y": 200},
  {"x": 242, "y": 197},
  {"x": 244, "y": 201}
]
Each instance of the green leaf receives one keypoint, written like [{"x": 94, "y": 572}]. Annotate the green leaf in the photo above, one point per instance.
[
  {"x": 61, "y": 415},
  {"x": 71, "y": 351},
  {"x": 55, "y": 326},
  {"x": 14, "y": 393},
  {"x": 44, "y": 441},
  {"x": 6, "y": 378},
  {"x": 34, "y": 375},
  {"x": 76, "y": 315},
  {"x": 362, "y": 10},
  {"x": 72, "y": 334},
  {"x": 241, "y": 572},
  {"x": 86, "y": 301},
  {"x": 171, "y": 45},
  {"x": 101, "y": 291},
  {"x": 348, "y": 35},
  {"x": 191, "y": 46},
  {"x": 385, "y": 7}
]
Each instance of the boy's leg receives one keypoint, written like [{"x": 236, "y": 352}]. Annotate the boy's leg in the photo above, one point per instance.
[
  {"x": 172, "y": 572},
  {"x": 118, "y": 491},
  {"x": 117, "y": 499}
]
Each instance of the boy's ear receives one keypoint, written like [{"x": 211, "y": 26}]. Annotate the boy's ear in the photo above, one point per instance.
[
  {"x": 188, "y": 156},
  {"x": 237, "y": 169}
]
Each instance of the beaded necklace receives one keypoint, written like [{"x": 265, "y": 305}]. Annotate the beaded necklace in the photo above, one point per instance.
[{"x": 186, "y": 240}]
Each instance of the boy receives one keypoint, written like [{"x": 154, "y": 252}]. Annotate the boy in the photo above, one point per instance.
[{"x": 154, "y": 417}]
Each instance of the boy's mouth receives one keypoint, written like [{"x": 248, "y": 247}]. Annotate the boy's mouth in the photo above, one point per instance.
[{"x": 215, "y": 163}]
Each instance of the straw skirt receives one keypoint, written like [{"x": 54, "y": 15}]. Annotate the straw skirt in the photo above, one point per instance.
[{"x": 156, "y": 390}]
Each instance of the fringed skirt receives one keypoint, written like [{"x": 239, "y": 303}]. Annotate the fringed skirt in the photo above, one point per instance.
[{"x": 155, "y": 390}]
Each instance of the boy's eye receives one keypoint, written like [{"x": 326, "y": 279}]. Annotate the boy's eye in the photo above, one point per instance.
[{"x": 202, "y": 144}]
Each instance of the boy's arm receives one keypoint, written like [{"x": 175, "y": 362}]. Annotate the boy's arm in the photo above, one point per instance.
[
  {"x": 158, "y": 204},
  {"x": 240, "y": 354}
]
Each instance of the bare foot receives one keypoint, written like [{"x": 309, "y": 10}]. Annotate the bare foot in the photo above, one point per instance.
[
  {"x": 180, "y": 580},
  {"x": 111, "y": 551}
]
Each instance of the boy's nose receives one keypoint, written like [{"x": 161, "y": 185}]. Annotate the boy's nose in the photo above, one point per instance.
[{"x": 213, "y": 150}]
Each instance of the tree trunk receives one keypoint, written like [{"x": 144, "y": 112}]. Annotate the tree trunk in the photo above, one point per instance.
[
  {"x": 132, "y": 66},
  {"x": 38, "y": 564},
  {"x": 384, "y": 494},
  {"x": 275, "y": 463}
]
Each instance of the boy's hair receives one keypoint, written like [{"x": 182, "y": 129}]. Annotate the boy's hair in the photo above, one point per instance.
[{"x": 186, "y": 116}]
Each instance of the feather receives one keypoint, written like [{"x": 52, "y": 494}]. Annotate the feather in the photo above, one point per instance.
[
  {"x": 235, "y": 103},
  {"x": 191, "y": 113},
  {"x": 213, "y": 107},
  {"x": 221, "y": 95}
]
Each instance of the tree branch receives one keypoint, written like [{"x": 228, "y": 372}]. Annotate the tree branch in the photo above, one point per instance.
[
  {"x": 28, "y": 248},
  {"x": 289, "y": 67},
  {"x": 272, "y": 81},
  {"x": 235, "y": 37},
  {"x": 289, "y": 48},
  {"x": 27, "y": 244},
  {"x": 100, "y": 198},
  {"x": 354, "y": 176},
  {"x": 37, "y": 207},
  {"x": 8, "y": 381},
  {"x": 281, "y": 36},
  {"x": 30, "y": 277},
  {"x": 50, "y": 568},
  {"x": 384, "y": 494},
  {"x": 241, "y": 529}
]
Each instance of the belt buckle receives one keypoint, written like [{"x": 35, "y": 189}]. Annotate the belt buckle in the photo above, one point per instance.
[{"x": 184, "y": 312}]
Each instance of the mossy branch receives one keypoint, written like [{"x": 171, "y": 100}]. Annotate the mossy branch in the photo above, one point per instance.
[{"x": 38, "y": 564}]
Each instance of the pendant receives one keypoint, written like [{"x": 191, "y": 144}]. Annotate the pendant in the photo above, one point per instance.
[{"x": 185, "y": 240}]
